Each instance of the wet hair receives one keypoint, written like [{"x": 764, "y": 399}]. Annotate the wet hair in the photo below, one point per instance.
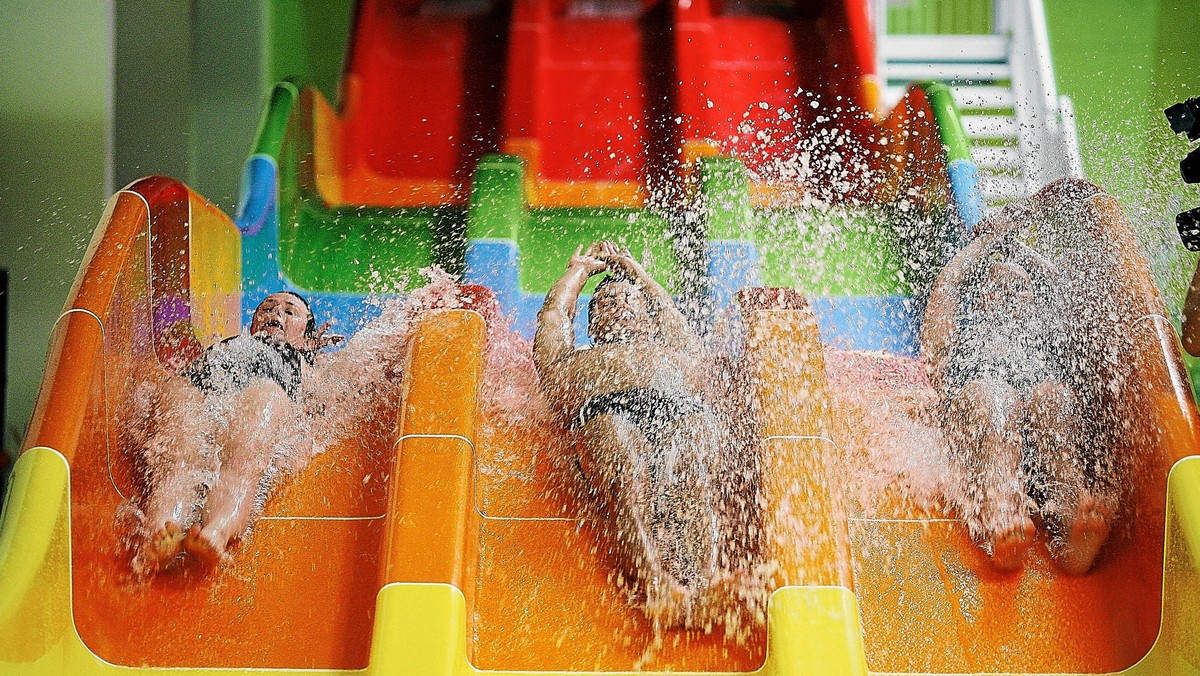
[
  {"x": 609, "y": 279},
  {"x": 606, "y": 280}
]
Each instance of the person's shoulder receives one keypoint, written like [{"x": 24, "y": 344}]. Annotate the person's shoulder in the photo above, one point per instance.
[{"x": 223, "y": 344}]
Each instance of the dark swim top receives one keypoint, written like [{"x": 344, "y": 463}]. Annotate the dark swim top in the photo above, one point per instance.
[
  {"x": 650, "y": 410},
  {"x": 230, "y": 365}
]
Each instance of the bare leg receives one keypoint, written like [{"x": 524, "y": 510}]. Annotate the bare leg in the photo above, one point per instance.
[
  {"x": 685, "y": 510},
  {"x": 258, "y": 418},
  {"x": 983, "y": 430},
  {"x": 180, "y": 463},
  {"x": 614, "y": 468},
  {"x": 664, "y": 507},
  {"x": 1078, "y": 517}
]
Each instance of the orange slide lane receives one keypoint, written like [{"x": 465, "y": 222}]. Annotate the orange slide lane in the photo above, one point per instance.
[
  {"x": 508, "y": 528},
  {"x": 488, "y": 509},
  {"x": 300, "y": 592},
  {"x": 932, "y": 602}
]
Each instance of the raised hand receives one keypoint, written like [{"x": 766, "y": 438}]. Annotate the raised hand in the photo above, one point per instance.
[
  {"x": 322, "y": 340},
  {"x": 620, "y": 258},
  {"x": 589, "y": 261}
]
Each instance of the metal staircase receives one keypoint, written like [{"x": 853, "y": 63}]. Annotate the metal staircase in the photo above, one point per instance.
[{"x": 1022, "y": 132}]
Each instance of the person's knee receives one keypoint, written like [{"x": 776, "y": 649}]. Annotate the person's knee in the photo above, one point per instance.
[
  {"x": 1052, "y": 400},
  {"x": 982, "y": 403},
  {"x": 265, "y": 397}
]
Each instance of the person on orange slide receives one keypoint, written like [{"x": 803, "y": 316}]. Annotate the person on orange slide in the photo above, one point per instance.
[
  {"x": 997, "y": 340},
  {"x": 226, "y": 426},
  {"x": 257, "y": 408},
  {"x": 651, "y": 439}
]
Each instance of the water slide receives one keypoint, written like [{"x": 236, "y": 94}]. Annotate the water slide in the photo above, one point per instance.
[{"x": 492, "y": 139}]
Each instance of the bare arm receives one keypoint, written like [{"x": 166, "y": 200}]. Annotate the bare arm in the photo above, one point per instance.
[
  {"x": 1191, "y": 316},
  {"x": 555, "y": 337},
  {"x": 673, "y": 328}
]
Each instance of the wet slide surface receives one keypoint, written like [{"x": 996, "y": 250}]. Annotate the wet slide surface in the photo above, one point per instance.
[
  {"x": 932, "y": 602},
  {"x": 929, "y": 598},
  {"x": 596, "y": 93},
  {"x": 496, "y": 521},
  {"x": 750, "y": 72},
  {"x": 589, "y": 85},
  {"x": 543, "y": 559},
  {"x": 422, "y": 103},
  {"x": 299, "y": 592}
]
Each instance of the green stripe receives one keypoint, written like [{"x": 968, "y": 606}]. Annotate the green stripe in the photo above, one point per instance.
[
  {"x": 353, "y": 249},
  {"x": 497, "y": 209},
  {"x": 948, "y": 120},
  {"x": 308, "y": 40},
  {"x": 940, "y": 17},
  {"x": 550, "y": 235},
  {"x": 837, "y": 251},
  {"x": 275, "y": 118}
]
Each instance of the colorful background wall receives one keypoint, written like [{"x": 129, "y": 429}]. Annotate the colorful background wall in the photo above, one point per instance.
[{"x": 94, "y": 94}]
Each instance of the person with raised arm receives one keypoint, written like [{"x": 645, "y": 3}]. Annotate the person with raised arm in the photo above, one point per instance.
[
  {"x": 998, "y": 337},
  {"x": 651, "y": 442}
]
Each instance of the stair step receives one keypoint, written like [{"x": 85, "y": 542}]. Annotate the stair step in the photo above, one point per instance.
[
  {"x": 968, "y": 97},
  {"x": 983, "y": 98},
  {"x": 990, "y": 126},
  {"x": 996, "y": 158},
  {"x": 943, "y": 48},
  {"x": 907, "y": 71}
]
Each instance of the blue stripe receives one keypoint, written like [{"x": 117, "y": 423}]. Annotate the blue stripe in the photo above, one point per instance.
[
  {"x": 495, "y": 263},
  {"x": 258, "y": 201},
  {"x": 732, "y": 266},
  {"x": 966, "y": 193},
  {"x": 882, "y": 322},
  {"x": 258, "y": 221}
]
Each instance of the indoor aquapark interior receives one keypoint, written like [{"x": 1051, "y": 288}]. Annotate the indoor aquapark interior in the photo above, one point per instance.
[{"x": 802, "y": 177}]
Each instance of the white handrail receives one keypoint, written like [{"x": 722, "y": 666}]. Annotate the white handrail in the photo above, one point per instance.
[
  {"x": 1045, "y": 148},
  {"x": 1070, "y": 135},
  {"x": 1046, "y": 138}
]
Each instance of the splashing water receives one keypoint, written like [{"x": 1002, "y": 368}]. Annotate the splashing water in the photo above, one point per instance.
[
  {"x": 889, "y": 418},
  {"x": 242, "y": 442}
]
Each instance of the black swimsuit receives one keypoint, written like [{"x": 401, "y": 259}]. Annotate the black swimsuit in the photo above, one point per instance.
[
  {"x": 650, "y": 409},
  {"x": 230, "y": 365}
]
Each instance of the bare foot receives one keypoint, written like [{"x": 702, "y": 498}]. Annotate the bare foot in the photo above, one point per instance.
[
  {"x": 1009, "y": 546},
  {"x": 206, "y": 546},
  {"x": 159, "y": 550},
  {"x": 1088, "y": 532},
  {"x": 669, "y": 604}
]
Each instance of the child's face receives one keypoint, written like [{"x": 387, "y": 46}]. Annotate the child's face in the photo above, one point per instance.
[{"x": 281, "y": 316}]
